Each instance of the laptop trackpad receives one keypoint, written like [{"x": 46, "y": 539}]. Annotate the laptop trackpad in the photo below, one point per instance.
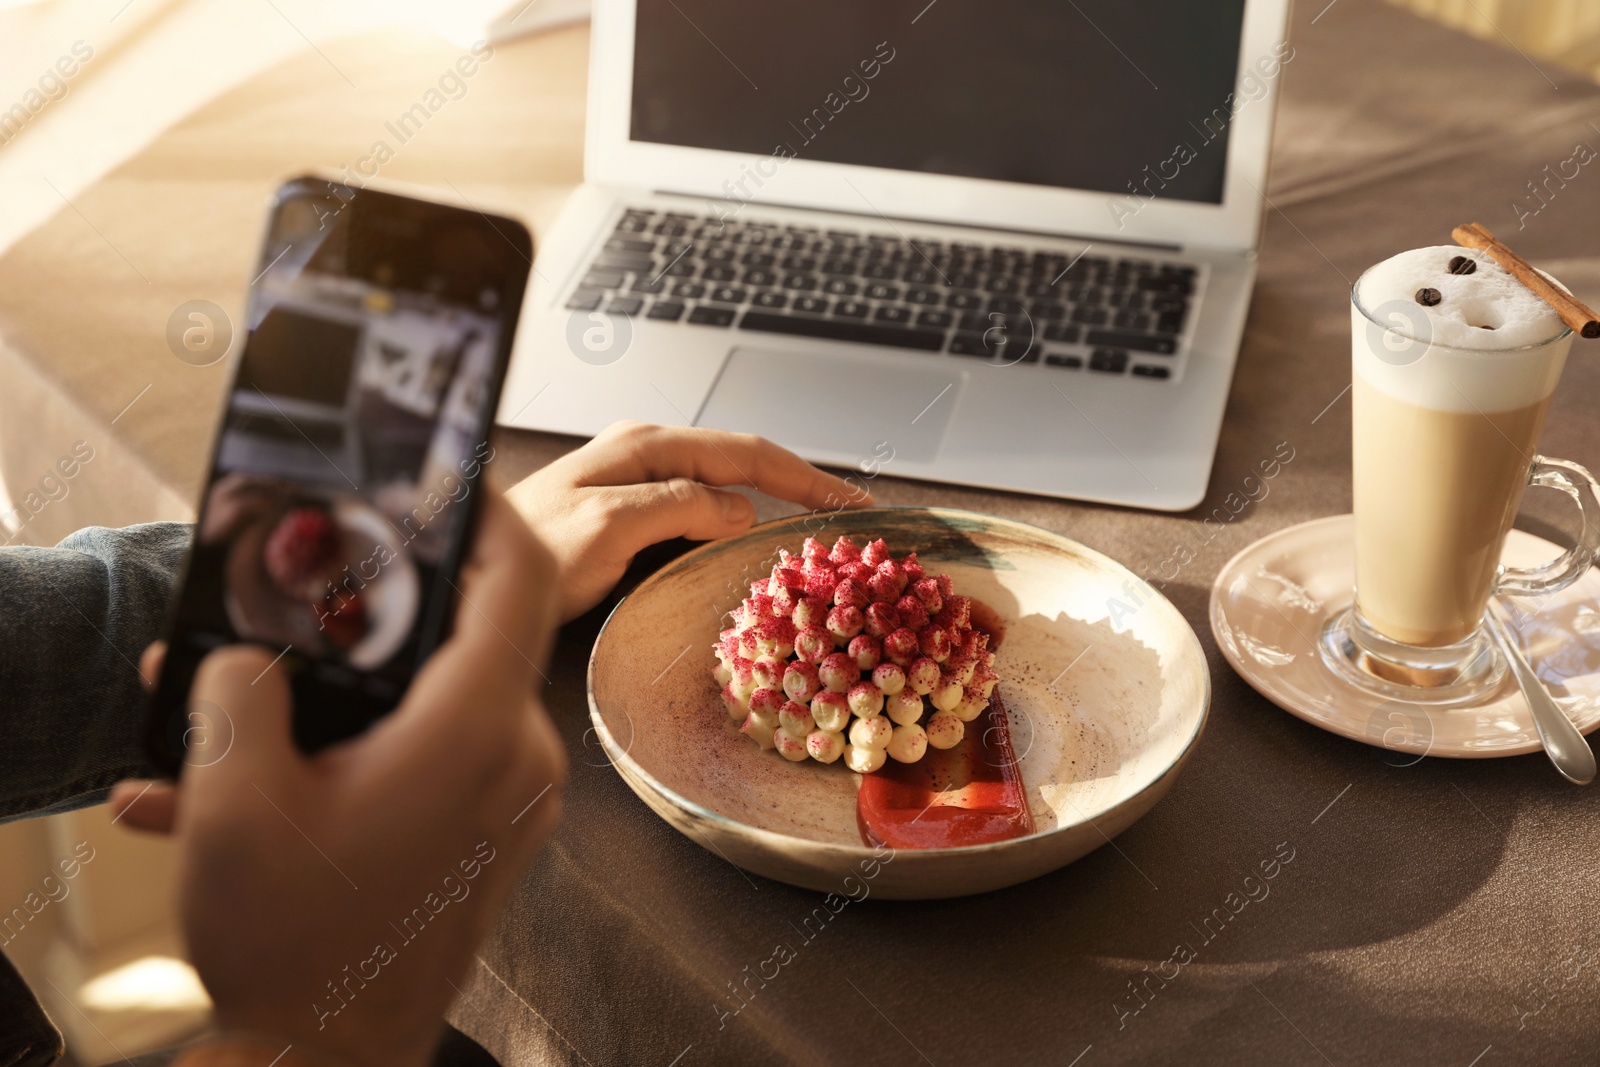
[{"x": 836, "y": 403}]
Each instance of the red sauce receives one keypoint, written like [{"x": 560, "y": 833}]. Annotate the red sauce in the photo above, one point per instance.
[{"x": 967, "y": 795}]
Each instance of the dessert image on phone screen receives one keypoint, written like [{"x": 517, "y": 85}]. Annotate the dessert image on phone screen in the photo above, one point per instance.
[
  {"x": 351, "y": 445},
  {"x": 351, "y": 439},
  {"x": 349, "y": 435}
]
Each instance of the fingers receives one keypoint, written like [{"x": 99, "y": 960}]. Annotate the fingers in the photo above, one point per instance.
[
  {"x": 644, "y": 514},
  {"x": 240, "y": 713},
  {"x": 148, "y": 806},
  {"x": 150, "y": 664},
  {"x": 473, "y": 698},
  {"x": 505, "y": 623},
  {"x": 508, "y": 587},
  {"x": 637, "y": 452}
]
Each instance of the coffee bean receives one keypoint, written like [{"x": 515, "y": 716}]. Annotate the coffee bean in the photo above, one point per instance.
[
  {"x": 1463, "y": 265},
  {"x": 1428, "y": 297}
]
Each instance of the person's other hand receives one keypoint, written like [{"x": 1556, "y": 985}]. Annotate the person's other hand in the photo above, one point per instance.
[
  {"x": 337, "y": 899},
  {"x": 637, "y": 484}
]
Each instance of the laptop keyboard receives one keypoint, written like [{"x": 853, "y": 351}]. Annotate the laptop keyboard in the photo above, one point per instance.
[{"x": 1003, "y": 304}]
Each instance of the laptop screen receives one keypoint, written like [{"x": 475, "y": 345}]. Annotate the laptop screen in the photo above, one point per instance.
[{"x": 1076, "y": 94}]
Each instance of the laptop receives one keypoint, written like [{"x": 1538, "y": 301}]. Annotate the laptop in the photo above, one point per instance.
[{"x": 1003, "y": 244}]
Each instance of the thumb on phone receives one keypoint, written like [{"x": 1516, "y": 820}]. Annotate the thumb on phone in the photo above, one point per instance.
[
  {"x": 240, "y": 714},
  {"x": 231, "y": 687}
]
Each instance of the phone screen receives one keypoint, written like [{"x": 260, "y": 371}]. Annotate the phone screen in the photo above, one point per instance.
[{"x": 355, "y": 436}]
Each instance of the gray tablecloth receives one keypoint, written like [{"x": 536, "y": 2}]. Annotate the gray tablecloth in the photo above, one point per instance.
[{"x": 1440, "y": 913}]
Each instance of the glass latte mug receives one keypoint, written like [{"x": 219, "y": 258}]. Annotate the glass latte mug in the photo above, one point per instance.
[{"x": 1443, "y": 444}]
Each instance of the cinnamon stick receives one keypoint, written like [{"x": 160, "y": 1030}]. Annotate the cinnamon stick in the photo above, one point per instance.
[{"x": 1573, "y": 311}]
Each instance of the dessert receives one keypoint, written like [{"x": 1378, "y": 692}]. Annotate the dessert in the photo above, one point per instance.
[
  {"x": 302, "y": 553},
  {"x": 967, "y": 794},
  {"x": 342, "y": 617},
  {"x": 850, "y": 653}
]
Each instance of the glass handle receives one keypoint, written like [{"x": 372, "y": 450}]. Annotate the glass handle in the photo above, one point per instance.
[{"x": 1567, "y": 568}]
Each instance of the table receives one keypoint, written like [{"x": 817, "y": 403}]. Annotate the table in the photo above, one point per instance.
[{"x": 1433, "y": 913}]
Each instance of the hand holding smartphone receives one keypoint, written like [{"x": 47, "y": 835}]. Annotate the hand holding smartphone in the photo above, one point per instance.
[{"x": 343, "y": 484}]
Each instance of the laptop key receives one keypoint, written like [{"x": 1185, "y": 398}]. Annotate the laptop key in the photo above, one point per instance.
[
  {"x": 892, "y": 313},
  {"x": 771, "y": 300},
  {"x": 630, "y": 244},
  {"x": 850, "y": 309},
  {"x": 801, "y": 282},
  {"x": 840, "y": 287},
  {"x": 642, "y": 284},
  {"x": 1061, "y": 359},
  {"x": 624, "y": 305},
  {"x": 1167, "y": 283},
  {"x": 878, "y": 291},
  {"x": 1147, "y": 370},
  {"x": 585, "y": 300},
  {"x": 1061, "y": 331},
  {"x": 759, "y": 277},
  {"x": 718, "y": 274},
  {"x": 669, "y": 310},
  {"x": 963, "y": 301},
  {"x": 1109, "y": 360},
  {"x": 711, "y": 316},
  {"x": 1138, "y": 342},
  {"x": 811, "y": 305},
  {"x": 968, "y": 343},
  {"x": 757, "y": 259},
  {"x": 1090, "y": 316},
  {"x": 844, "y": 330},
  {"x": 939, "y": 320},
  {"x": 727, "y": 294},
  {"x": 602, "y": 279},
  {"x": 689, "y": 290},
  {"x": 611, "y": 261},
  {"x": 922, "y": 296}
]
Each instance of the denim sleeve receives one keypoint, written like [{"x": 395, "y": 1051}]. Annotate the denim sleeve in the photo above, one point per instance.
[{"x": 74, "y": 620}]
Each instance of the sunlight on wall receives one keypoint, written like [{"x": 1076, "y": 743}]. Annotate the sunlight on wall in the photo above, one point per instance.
[
  {"x": 150, "y": 983},
  {"x": 1563, "y": 31}
]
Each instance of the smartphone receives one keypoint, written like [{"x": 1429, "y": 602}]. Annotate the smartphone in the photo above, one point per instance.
[{"x": 344, "y": 483}]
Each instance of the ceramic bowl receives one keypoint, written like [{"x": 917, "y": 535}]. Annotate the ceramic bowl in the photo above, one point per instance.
[{"x": 1105, "y": 683}]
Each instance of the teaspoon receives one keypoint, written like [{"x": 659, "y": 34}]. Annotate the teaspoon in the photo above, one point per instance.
[{"x": 1566, "y": 747}]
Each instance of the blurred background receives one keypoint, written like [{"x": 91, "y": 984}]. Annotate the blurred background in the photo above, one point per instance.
[{"x": 106, "y": 957}]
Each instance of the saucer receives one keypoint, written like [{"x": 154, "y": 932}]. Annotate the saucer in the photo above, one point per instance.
[{"x": 1270, "y": 602}]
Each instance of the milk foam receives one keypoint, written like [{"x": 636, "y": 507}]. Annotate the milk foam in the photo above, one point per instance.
[
  {"x": 1490, "y": 296},
  {"x": 1452, "y": 363}
]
